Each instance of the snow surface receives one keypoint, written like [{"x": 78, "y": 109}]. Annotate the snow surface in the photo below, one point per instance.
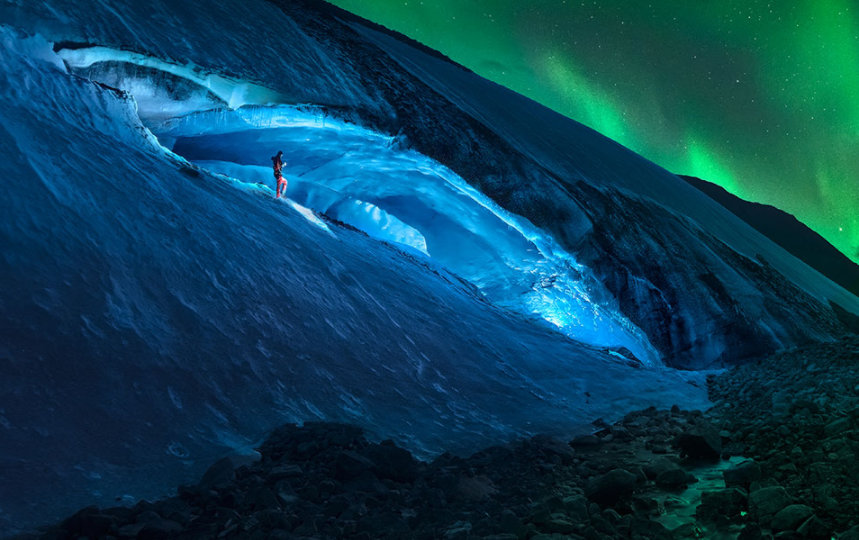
[{"x": 157, "y": 315}]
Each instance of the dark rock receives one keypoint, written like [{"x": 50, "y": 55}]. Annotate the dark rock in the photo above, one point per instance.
[
  {"x": 742, "y": 475},
  {"x": 558, "y": 525},
  {"x": 367, "y": 482},
  {"x": 815, "y": 529},
  {"x": 393, "y": 463},
  {"x": 159, "y": 529},
  {"x": 611, "y": 487},
  {"x": 657, "y": 466},
  {"x": 342, "y": 435},
  {"x": 220, "y": 474},
  {"x": 801, "y": 404},
  {"x": 767, "y": 502},
  {"x": 791, "y": 517},
  {"x": 687, "y": 530},
  {"x": 285, "y": 471},
  {"x": 273, "y": 519},
  {"x": 701, "y": 441},
  {"x": 91, "y": 522},
  {"x": 336, "y": 506},
  {"x": 551, "y": 446},
  {"x": 585, "y": 441},
  {"x": 752, "y": 531},
  {"x": 836, "y": 427},
  {"x": 131, "y": 530},
  {"x": 645, "y": 506},
  {"x": 722, "y": 505},
  {"x": 540, "y": 515},
  {"x": 850, "y": 534},
  {"x": 349, "y": 465},
  {"x": 576, "y": 507},
  {"x": 259, "y": 498},
  {"x": 475, "y": 488},
  {"x": 672, "y": 478},
  {"x": 460, "y": 529},
  {"x": 652, "y": 530}
]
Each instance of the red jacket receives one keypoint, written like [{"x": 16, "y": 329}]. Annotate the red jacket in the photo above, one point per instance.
[{"x": 277, "y": 163}]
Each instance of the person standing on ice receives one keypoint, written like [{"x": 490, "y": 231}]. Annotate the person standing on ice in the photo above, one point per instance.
[{"x": 277, "y": 163}]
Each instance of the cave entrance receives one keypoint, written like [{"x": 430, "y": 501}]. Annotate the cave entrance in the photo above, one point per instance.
[{"x": 371, "y": 181}]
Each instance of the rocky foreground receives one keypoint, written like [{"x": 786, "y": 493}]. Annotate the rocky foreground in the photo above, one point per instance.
[{"x": 775, "y": 457}]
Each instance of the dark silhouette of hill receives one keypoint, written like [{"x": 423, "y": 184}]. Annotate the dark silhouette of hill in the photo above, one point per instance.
[{"x": 788, "y": 232}]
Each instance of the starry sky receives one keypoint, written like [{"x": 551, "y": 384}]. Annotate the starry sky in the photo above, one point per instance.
[{"x": 760, "y": 97}]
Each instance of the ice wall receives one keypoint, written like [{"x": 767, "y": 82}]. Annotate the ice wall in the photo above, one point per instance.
[
  {"x": 377, "y": 184},
  {"x": 373, "y": 182}
]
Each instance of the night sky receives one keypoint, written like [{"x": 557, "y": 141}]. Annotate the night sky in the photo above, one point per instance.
[{"x": 761, "y": 97}]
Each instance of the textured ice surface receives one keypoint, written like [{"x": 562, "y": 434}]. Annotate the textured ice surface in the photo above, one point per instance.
[
  {"x": 156, "y": 316},
  {"x": 367, "y": 180}
]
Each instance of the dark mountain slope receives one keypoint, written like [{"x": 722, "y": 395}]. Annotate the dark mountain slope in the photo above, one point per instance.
[{"x": 788, "y": 232}]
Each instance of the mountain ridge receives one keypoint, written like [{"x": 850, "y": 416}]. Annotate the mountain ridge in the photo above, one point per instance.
[{"x": 788, "y": 231}]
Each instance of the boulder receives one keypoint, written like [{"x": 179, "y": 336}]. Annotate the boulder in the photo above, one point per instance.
[
  {"x": 767, "y": 502},
  {"x": 550, "y": 446},
  {"x": 576, "y": 507},
  {"x": 393, "y": 463},
  {"x": 349, "y": 465},
  {"x": 657, "y": 466},
  {"x": 752, "y": 531},
  {"x": 159, "y": 529},
  {"x": 559, "y": 526},
  {"x": 611, "y": 487},
  {"x": 700, "y": 441},
  {"x": 724, "y": 504},
  {"x": 646, "y": 528},
  {"x": 836, "y": 427},
  {"x": 585, "y": 441},
  {"x": 475, "y": 488},
  {"x": 815, "y": 529},
  {"x": 791, "y": 517},
  {"x": 742, "y": 475},
  {"x": 672, "y": 478},
  {"x": 219, "y": 475},
  {"x": 90, "y": 522}
]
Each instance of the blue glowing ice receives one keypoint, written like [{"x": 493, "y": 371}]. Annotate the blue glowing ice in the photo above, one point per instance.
[{"x": 371, "y": 181}]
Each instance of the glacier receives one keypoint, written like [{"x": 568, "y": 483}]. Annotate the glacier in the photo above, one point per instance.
[
  {"x": 158, "y": 315},
  {"x": 456, "y": 265},
  {"x": 365, "y": 179}
]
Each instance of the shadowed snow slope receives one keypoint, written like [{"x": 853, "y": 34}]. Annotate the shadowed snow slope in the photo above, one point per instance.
[{"x": 156, "y": 313}]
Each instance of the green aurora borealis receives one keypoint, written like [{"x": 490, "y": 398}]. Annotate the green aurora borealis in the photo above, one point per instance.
[{"x": 761, "y": 97}]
